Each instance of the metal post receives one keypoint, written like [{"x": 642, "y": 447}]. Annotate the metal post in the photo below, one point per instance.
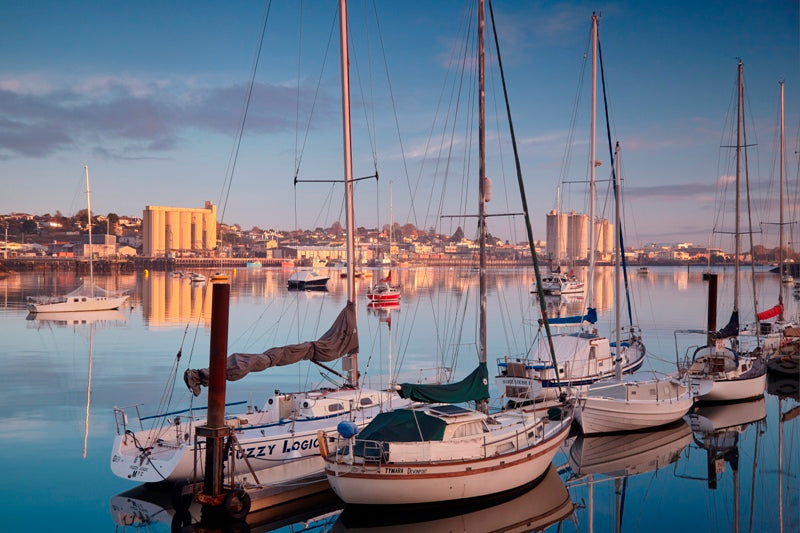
[{"x": 215, "y": 430}]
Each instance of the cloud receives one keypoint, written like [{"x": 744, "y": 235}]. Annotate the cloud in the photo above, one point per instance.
[{"x": 38, "y": 121}]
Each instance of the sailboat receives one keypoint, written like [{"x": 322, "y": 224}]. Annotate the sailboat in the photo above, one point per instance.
[
  {"x": 280, "y": 442},
  {"x": 734, "y": 375},
  {"x": 582, "y": 356},
  {"x": 384, "y": 291},
  {"x": 84, "y": 298},
  {"x": 637, "y": 402},
  {"x": 440, "y": 451}
]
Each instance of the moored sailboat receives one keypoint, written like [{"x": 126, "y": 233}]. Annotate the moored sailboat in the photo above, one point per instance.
[
  {"x": 440, "y": 451},
  {"x": 734, "y": 375},
  {"x": 87, "y": 297}
]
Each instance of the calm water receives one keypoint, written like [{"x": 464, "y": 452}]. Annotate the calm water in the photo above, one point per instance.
[{"x": 62, "y": 378}]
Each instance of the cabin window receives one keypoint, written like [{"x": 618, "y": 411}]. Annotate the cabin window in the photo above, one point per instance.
[
  {"x": 335, "y": 407},
  {"x": 592, "y": 354},
  {"x": 366, "y": 401},
  {"x": 470, "y": 428}
]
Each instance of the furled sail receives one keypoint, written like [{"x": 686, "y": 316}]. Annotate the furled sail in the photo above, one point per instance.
[
  {"x": 340, "y": 339},
  {"x": 474, "y": 387}
]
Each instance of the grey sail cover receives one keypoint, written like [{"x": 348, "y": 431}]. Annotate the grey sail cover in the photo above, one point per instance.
[{"x": 339, "y": 340}]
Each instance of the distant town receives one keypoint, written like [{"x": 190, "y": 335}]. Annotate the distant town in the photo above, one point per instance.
[{"x": 172, "y": 233}]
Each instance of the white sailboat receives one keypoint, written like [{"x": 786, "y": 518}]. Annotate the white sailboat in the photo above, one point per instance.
[
  {"x": 734, "y": 375},
  {"x": 280, "y": 442},
  {"x": 582, "y": 356},
  {"x": 437, "y": 451},
  {"x": 86, "y": 297},
  {"x": 636, "y": 402}
]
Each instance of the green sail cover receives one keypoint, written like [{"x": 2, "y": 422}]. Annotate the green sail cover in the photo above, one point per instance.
[
  {"x": 474, "y": 387},
  {"x": 403, "y": 425}
]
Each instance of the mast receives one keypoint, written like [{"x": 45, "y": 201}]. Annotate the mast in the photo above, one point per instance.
[
  {"x": 617, "y": 264},
  {"x": 592, "y": 165},
  {"x": 737, "y": 236},
  {"x": 780, "y": 226},
  {"x": 89, "y": 216},
  {"x": 352, "y": 371},
  {"x": 482, "y": 189}
]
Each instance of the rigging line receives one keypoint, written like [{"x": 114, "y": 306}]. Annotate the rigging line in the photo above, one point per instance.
[
  {"x": 455, "y": 91},
  {"x": 297, "y": 91},
  {"x": 521, "y": 183},
  {"x": 750, "y": 227},
  {"x": 299, "y": 157},
  {"x": 394, "y": 111},
  {"x": 615, "y": 181},
  {"x": 370, "y": 124},
  {"x": 238, "y": 140}
]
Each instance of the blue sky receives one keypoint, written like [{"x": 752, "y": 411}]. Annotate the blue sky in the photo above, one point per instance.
[{"x": 150, "y": 94}]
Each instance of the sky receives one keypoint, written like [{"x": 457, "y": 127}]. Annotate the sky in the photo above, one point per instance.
[{"x": 150, "y": 95}]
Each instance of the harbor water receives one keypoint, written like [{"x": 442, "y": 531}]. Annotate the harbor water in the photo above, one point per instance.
[{"x": 732, "y": 467}]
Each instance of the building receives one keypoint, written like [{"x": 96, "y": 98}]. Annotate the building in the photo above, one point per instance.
[
  {"x": 169, "y": 231},
  {"x": 577, "y": 236},
  {"x": 556, "y": 236}
]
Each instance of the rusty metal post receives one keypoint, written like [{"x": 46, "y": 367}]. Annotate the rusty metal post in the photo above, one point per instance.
[
  {"x": 215, "y": 430},
  {"x": 712, "y": 308}
]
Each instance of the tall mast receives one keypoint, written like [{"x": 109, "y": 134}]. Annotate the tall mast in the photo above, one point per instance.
[
  {"x": 617, "y": 266},
  {"x": 592, "y": 165},
  {"x": 737, "y": 236},
  {"x": 89, "y": 217},
  {"x": 352, "y": 373},
  {"x": 482, "y": 187},
  {"x": 780, "y": 231}
]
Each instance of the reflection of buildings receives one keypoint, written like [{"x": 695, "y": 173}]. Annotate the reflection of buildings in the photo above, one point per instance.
[
  {"x": 168, "y": 300},
  {"x": 178, "y": 229}
]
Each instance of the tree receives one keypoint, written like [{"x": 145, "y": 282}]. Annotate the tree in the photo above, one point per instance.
[{"x": 29, "y": 226}]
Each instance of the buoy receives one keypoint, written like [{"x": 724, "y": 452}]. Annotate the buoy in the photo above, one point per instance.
[
  {"x": 347, "y": 429},
  {"x": 146, "y": 272}
]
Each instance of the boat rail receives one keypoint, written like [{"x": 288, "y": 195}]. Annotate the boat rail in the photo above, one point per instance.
[{"x": 121, "y": 417}]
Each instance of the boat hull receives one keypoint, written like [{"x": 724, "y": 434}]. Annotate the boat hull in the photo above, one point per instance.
[
  {"x": 421, "y": 482},
  {"x": 605, "y": 413},
  {"x": 75, "y": 304}
]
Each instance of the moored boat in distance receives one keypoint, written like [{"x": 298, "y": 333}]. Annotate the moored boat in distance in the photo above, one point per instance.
[{"x": 306, "y": 280}]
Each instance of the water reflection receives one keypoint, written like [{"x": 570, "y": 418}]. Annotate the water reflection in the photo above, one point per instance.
[{"x": 542, "y": 506}]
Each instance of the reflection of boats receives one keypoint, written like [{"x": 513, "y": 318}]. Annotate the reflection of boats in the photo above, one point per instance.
[
  {"x": 643, "y": 271},
  {"x": 146, "y": 506},
  {"x": 77, "y": 318},
  {"x": 306, "y": 280},
  {"x": 440, "y": 451},
  {"x": 535, "y": 510},
  {"x": 87, "y": 297},
  {"x": 629, "y": 453},
  {"x": 717, "y": 430}
]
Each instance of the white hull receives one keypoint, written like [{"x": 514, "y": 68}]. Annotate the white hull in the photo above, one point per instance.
[
  {"x": 442, "y": 471},
  {"x": 276, "y": 449},
  {"x": 734, "y": 390},
  {"x": 632, "y": 406},
  {"x": 78, "y": 303}
]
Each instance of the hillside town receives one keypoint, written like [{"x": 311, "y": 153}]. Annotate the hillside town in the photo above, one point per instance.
[{"x": 117, "y": 237}]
